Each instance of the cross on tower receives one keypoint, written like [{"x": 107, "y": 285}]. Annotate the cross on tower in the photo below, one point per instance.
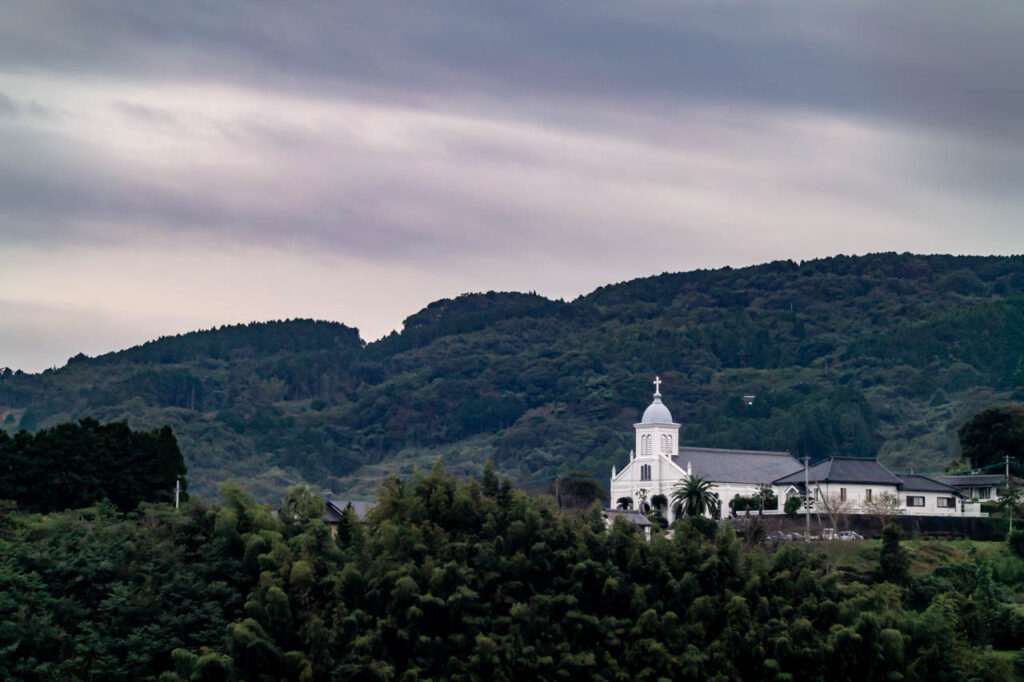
[{"x": 657, "y": 385}]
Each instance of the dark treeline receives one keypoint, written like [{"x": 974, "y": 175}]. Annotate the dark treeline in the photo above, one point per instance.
[
  {"x": 75, "y": 465},
  {"x": 885, "y": 354},
  {"x": 471, "y": 581}
]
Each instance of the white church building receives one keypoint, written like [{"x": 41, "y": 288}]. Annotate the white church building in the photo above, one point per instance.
[{"x": 658, "y": 463}]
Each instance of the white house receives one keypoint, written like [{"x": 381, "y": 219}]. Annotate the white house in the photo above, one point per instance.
[
  {"x": 924, "y": 496},
  {"x": 846, "y": 485},
  {"x": 978, "y": 486}
]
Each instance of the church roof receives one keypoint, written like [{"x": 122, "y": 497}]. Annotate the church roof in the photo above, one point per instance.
[
  {"x": 656, "y": 413},
  {"x": 844, "y": 470},
  {"x": 736, "y": 466}
]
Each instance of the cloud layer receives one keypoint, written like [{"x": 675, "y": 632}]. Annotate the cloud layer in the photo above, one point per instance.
[{"x": 170, "y": 166}]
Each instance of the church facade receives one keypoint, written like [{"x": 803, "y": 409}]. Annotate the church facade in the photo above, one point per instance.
[{"x": 658, "y": 463}]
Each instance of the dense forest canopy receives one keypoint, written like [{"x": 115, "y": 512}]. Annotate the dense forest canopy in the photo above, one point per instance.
[
  {"x": 993, "y": 436},
  {"x": 474, "y": 581},
  {"x": 885, "y": 354},
  {"x": 76, "y": 465}
]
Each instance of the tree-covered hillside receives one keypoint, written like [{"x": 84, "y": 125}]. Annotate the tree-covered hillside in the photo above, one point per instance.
[{"x": 883, "y": 354}]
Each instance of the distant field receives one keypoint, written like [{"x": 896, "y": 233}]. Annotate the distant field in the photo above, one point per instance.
[{"x": 860, "y": 558}]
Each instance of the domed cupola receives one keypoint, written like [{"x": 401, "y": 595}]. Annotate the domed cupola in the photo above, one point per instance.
[
  {"x": 656, "y": 412},
  {"x": 657, "y": 434}
]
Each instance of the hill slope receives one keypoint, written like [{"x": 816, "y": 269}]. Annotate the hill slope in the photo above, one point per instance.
[{"x": 882, "y": 354}]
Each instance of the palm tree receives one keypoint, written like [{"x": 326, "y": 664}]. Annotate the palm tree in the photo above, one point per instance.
[
  {"x": 624, "y": 503},
  {"x": 694, "y": 495},
  {"x": 659, "y": 502}
]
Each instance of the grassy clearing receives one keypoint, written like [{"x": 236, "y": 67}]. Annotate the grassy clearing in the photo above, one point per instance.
[{"x": 858, "y": 560}]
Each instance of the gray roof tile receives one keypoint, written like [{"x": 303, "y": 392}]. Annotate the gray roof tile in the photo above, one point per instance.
[
  {"x": 736, "y": 466},
  {"x": 630, "y": 515},
  {"x": 978, "y": 479},
  {"x": 335, "y": 508},
  {"x": 917, "y": 483},
  {"x": 845, "y": 470}
]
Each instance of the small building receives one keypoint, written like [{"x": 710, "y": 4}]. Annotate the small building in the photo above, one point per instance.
[
  {"x": 334, "y": 509},
  {"x": 631, "y": 516},
  {"x": 976, "y": 486},
  {"x": 845, "y": 485},
  {"x": 924, "y": 496}
]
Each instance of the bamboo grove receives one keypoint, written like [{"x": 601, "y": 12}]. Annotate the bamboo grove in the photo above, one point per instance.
[{"x": 471, "y": 581}]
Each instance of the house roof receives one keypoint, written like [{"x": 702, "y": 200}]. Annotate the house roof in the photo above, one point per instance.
[
  {"x": 844, "y": 470},
  {"x": 977, "y": 479},
  {"x": 736, "y": 466},
  {"x": 335, "y": 508},
  {"x": 630, "y": 515},
  {"x": 917, "y": 483}
]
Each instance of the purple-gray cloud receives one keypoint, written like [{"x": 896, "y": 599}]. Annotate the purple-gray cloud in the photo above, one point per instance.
[{"x": 547, "y": 146}]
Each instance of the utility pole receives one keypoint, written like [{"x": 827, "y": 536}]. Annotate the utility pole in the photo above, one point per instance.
[
  {"x": 1006, "y": 482},
  {"x": 177, "y": 491},
  {"x": 807, "y": 492},
  {"x": 558, "y": 491}
]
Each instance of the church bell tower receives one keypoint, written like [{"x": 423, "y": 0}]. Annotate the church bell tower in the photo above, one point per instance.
[{"x": 656, "y": 434}]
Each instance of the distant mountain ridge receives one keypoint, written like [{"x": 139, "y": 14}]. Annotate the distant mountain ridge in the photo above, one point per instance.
[{"x": 855, "y": 355}]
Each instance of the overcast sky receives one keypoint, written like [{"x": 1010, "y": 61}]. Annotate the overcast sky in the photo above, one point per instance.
[{"x": 167, "y": 167}]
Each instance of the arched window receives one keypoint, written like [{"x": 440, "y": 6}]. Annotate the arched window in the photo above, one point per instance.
[
  {"x": 645, "y": 444},
  {"x": 668, "y": 445},
  {"x": 645, "y": 472},
  {"x": 664, "y": 444}
]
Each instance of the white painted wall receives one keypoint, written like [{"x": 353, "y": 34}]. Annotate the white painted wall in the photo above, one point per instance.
[
  {"x": 856, "y": 494},
  {"x": 664, "y": 475},
  {"x": 656, "y": 431},
  {"x": 931, "y": 505}
]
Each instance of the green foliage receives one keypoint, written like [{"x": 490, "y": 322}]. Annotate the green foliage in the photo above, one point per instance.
[
  {"x": 994, "y": 434},
  {"x": 695, "y": 497},
  {"x": 792, "y": 506},
  {"x": 764, "y": 498},
  {"x": 893, "y": 562},
  {"x": 1015, "y": 540},
  {"x": 76, "y": 465},
  {"x": 453, "y": 580}
]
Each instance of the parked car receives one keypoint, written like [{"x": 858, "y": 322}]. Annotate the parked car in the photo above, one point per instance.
[{"x": 850, "y": 535}]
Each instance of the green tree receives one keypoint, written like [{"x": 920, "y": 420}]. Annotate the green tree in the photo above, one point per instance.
[
  {"x": 694, "y": 495},
  {"x": 893, "y": 561},
  {"x": 792, "y": 506},
  {"x": 993, "y": 434}
]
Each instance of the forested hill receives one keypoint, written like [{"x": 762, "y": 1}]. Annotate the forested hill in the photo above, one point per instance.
[{"x": 882, "y": 354}]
